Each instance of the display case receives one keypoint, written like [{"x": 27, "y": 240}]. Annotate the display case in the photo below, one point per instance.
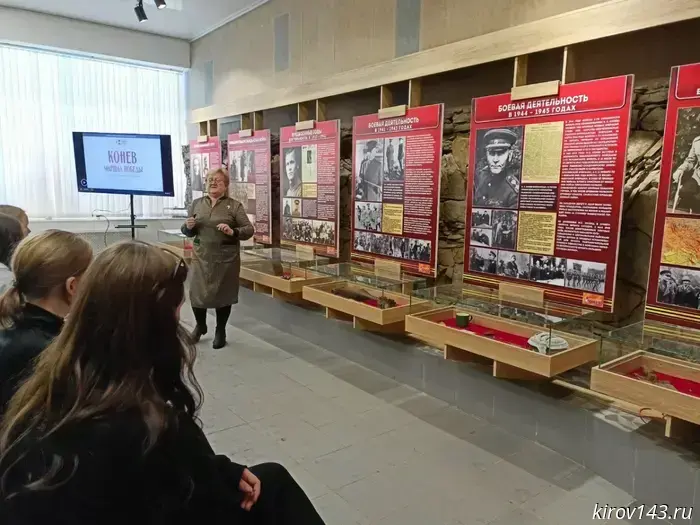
[
  {"x": 521, "y": 340},
  {"x": 655, "y": 366},
  {"x": 282, "y": 273},
  {"x": 176, "y": 242},
  {"x": 371, "y": 297}
]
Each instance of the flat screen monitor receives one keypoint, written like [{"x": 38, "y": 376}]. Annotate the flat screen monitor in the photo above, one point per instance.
[{"x": 124, "y": 163}]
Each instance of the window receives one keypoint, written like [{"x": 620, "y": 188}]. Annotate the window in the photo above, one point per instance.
[{"x": 46, "y": 96}]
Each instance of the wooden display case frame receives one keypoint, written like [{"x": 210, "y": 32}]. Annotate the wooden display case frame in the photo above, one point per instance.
[
  {"x": 364, "y": 316},
  {"x": 508, "y": 361},
  {"x": 679, "y": 409},
  {"x": 278, "y": 287}
]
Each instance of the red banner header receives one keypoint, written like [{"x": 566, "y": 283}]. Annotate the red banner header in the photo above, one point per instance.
[
  {"x": 581, "y": 97},
  {"x": 416, "y": 119}
]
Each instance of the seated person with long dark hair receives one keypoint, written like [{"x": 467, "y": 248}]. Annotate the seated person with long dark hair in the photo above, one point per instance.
[
  {"x": 105, "y": 430},
  {"x": 46, "y": 269},
  {"x": 11, "y": 234}
]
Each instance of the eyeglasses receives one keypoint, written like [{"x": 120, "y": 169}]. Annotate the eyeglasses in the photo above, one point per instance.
[{"x": 180, "y": 271}]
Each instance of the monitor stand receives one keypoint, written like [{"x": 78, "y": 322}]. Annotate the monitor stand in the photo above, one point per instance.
[{"x": 132, "y": 223}]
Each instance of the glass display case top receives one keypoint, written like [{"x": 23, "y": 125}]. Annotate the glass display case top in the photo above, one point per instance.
[
  {"x": 656, "y": 337},
  {"x": 280, "y": 255},
  {"x": 487, "y": 300},
  {"x": 367, "y": 274}
]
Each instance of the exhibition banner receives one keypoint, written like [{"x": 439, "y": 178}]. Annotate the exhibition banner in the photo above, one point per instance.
[
  {"x": 204, "y": 157},
  {"x": 545, "y": 189},
  {"x": 250, "y": 173},
  {"x": 396, "y": 187},
  {"x": 673, "y": 294},
  {"x": 310, "y": 192}
]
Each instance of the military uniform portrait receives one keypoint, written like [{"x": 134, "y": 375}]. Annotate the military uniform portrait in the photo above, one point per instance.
[
  {"x": 498, "y": 167},
  {"x": 483, "y": 260},
  {"x": 481, "y": 237},
  {"x": 513, "y": 264},
  {"x": 679, "y": 287},
  {"x": 684, "y": 196},
  {"x": 504, "y": 229}
]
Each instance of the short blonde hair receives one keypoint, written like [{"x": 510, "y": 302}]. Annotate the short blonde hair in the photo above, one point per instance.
[{"x": 219, "y": 171}]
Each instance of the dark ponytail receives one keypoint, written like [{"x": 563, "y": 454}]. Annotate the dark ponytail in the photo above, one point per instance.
[{"x": 11, "y": 234}]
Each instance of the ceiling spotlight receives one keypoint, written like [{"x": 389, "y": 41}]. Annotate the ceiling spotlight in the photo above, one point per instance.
[
  {"x": 160, "y": 4},
  {"x": 140, "y": 12}
]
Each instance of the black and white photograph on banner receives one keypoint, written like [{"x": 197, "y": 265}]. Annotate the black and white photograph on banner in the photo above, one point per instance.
[
  {"x": 292, "y": 207},
  {"x": 197, "y": 176},
  {"x": 585, "y": 275},
  {"x": 324, "y": 233},
  {"x": 205, "y": 164},
  {"x": 368, "y": 216},
  {"x": 291, "y": 176},
  {"x": 369, "y": 156},
  {"x": 419, "y": 250},
  {"x": 504, "y": 228},
  {"x": 390, "y": 246},
  {"x": 684, "y": 194},
  {"x": 301, "y": 230},
  {"x": 241, "y": 165},
  {"x": 679, "y": 287},
  {"x": 513, "y": 264},
  {"x": 498, "y": 167},
  {"x": 309, "y": 163},
  {"x": 481, "y": 237},
  {"x": 394, "y": 154},
  {"x": 483, "y": 260},
  {"x": 481, "y": 218},
  {"x": 543, "y": 269}
]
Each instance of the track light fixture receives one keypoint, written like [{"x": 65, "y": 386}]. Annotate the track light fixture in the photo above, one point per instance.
[
  {"x": 140, "y": 12},
  {"x": 160, "y": 4}
]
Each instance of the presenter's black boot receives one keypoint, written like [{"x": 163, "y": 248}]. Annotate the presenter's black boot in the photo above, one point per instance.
[
  {"x": 198, "y": 332},
  {"x": 219, "y": 338}
]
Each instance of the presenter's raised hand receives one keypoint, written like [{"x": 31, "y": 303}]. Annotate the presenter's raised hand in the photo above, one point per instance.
[
  {"x": 225, "y": 228},
  {"x": 191, "y": 222}
]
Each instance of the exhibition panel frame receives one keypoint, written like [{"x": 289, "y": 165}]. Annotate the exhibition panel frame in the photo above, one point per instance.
[{"x": 519, "y": 340}]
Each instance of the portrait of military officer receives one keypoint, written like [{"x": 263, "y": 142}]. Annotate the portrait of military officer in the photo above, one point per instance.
[
  {"x": 497, "y": 178},
  {"x": 686, "y": 179}
]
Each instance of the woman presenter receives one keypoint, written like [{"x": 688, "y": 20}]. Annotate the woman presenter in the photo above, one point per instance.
[{"x": 218, "y": 223}]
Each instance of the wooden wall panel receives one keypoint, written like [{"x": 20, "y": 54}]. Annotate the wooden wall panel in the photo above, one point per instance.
[
  {"x": 338, "y": 46},
  {"x": 650, "y": 57},
  {"x": 433, "y": 24}
]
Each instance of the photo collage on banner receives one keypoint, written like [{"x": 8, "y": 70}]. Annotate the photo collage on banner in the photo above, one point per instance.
[
  {"x": 310, "y": 179},
  {"x": 249, "y": 170},
  {"x": 204, "y": 157},
  {"x": 674, "y": 278},
  {"x": 545, "y": 193},
  {"x": 396, "y": 187}
]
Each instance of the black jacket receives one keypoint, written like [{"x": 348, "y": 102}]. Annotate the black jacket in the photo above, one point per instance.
[
  {"x": 21, "y": 344},
  {"x": 107, "y": 477}
]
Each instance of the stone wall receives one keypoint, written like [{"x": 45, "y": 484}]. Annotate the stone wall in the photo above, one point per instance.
[
  {"x": 639, "y": 208},
  {"x": 453, "y": 194}
]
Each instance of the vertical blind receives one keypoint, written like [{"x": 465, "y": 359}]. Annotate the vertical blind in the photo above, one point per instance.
[{"x": 46, "y": 96}]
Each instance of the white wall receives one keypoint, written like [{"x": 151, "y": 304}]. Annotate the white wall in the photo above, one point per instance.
[{"x": 18, "y": 26}]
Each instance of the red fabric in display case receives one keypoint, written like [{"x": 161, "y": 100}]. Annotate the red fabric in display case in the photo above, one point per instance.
[
  {"x": 490, "y": 333},
  {"x": 685, "y": 386}
]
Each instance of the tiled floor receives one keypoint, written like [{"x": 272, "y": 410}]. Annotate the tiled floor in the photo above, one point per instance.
[{"x": 369, "y": 450}]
